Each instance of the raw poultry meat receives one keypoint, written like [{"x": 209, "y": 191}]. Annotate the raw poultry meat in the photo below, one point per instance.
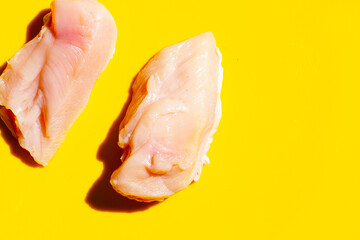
[
  {"x": 48, "y": 82},
  {"x": 169, "y": 125}
]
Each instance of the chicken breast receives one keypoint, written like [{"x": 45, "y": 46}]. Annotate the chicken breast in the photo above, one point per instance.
[
  {"x": 48, "y": 82},
  {"x": 169, "y": 125}
]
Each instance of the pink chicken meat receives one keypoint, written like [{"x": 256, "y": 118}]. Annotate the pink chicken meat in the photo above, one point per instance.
[
  {"x": 48, "y": 82},
  {"x": 169, "y": 125}
]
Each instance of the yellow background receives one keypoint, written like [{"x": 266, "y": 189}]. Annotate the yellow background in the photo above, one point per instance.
[{"x": 285, "y": 159}]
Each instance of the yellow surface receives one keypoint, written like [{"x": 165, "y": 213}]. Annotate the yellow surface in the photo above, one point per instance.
[{"x": 285, "y": 159}]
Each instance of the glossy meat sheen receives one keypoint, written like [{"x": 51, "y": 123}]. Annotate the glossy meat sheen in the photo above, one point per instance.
[
  {"x": 168, "y": 128},
  {"x": 47, "y": 84}
]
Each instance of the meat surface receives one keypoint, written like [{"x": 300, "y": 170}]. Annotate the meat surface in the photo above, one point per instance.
[
  {"x": 48, "y": 82},
  {"x": 169, "y": 125}
]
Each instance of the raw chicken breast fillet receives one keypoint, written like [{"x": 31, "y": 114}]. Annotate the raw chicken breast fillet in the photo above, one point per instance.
[
  {"x": 47, "y": 84},
  {"x": 170, "y": 122}
]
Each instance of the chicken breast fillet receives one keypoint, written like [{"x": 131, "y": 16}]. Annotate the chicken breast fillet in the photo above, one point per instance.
[
  {"x": 169, "y": 125},
  {"x": 48, "y": 82}
]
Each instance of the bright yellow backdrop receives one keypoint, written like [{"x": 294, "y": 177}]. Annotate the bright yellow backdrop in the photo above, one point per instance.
[{"x": 284, "y": 162}]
